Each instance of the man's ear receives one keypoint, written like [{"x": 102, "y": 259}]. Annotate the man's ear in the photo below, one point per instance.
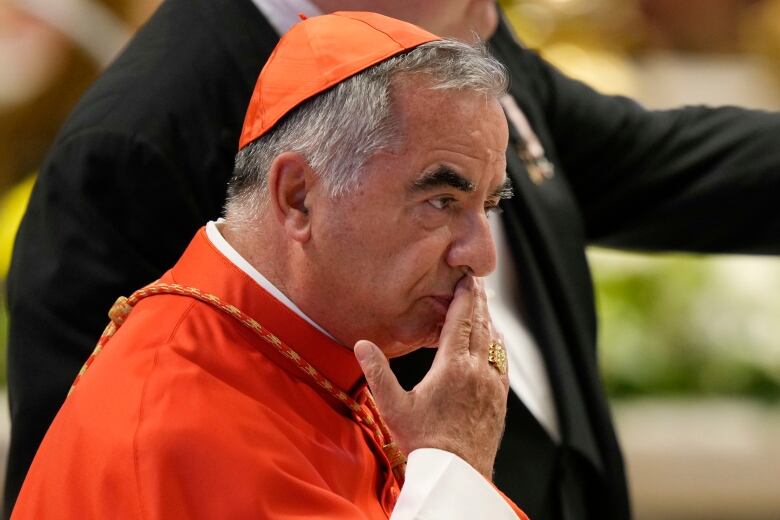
[{"x": 290, "y": 180}]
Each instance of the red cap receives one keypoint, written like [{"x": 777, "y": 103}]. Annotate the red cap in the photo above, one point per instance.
[{"x": 318, "y": 53}]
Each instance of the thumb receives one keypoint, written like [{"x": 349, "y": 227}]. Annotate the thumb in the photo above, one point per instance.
[{"x": 383, "y": 383}]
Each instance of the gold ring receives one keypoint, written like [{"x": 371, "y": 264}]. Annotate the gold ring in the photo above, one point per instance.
[{"x": 497, "y": 356}]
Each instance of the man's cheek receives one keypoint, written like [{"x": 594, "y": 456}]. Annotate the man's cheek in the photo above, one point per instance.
[{"x": 426, "y": 216}]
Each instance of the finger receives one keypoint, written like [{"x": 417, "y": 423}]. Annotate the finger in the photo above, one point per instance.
[
  {"x": 494, "y": 332},
  {"x": 383, "y": 383},
  {"x": 480, "y": 338},
  {"x": 456, "y": 331}
]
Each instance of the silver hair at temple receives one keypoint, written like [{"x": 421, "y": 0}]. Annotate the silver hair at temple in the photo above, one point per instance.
[{"x": 339, "y": 130}]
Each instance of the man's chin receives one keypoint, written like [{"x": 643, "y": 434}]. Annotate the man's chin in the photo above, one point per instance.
[
  {"x": 401, "y": 348},
  {"x": 484, "y": 19},
  {"x": 398, "y": 351}
]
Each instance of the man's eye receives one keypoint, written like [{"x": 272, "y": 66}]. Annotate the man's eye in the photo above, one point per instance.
[
  {"x": 493, "y": 209},
  {"x": 441, "y": 202}
]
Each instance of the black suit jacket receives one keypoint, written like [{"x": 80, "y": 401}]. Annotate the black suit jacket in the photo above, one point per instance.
[{"x": 144, "y": 159}]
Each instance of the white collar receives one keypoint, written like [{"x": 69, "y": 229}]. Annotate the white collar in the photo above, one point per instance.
[
  {"x": 283, "y": 14},
  {"x": 222, "y": 245}
]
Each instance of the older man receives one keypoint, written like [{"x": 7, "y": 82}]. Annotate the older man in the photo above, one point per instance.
[
  {"x": 144, "y": 159},
  {"x": 228, "y": 389}
]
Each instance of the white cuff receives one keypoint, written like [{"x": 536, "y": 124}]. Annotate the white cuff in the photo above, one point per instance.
[{"x": 439, "y": 484}]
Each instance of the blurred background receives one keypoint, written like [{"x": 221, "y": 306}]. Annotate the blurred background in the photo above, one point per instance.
[{"x": 689, "y": 346}]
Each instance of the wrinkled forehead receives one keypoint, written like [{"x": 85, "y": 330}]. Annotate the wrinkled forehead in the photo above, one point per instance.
[
  {"x": 462, "y": 118},
  {"x": 415, "y": 103}
]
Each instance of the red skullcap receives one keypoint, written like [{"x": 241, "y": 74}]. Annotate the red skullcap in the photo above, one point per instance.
[{"x": 318, "y": 53}]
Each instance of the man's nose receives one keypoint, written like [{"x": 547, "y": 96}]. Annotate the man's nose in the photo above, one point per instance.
[{"x": 473, "y": 247}]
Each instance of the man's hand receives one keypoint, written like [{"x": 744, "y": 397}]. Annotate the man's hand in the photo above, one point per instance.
[{"x": 460, "y": 405}]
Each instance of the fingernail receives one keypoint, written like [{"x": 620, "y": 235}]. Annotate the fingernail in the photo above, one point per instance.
[{"x": 362, "y": 351}]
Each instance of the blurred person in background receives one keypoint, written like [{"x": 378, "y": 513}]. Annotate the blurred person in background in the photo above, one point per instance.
[
  {"x": 144, "y": 158},
  {"x": 50, "y": 53}
]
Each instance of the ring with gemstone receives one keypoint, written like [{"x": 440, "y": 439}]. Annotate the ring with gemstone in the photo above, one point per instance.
[{"x": 497, "y": 356}]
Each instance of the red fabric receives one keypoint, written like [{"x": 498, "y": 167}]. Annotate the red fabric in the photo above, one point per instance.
[
  {"x": 318, "y": 53},
  {"x": 187, "y": 414}
]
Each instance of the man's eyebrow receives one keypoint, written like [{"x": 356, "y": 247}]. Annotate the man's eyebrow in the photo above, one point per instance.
[
  {"x": 505, "y": 191},
  {"x": 442, "y": 176}
]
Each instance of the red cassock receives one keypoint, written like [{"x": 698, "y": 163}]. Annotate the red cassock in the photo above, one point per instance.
[{"x": 187, "y": 413}]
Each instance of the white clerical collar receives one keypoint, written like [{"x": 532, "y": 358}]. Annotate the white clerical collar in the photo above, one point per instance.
[
  {"x": 216, "y": 238},
  {"x": 283, "y": 14}
]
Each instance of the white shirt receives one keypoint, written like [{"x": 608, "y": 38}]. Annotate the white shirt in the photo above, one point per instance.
[
  {"x": 527, "y": 372},
  {"x": 438, "y": 484},
  {"x": 283, "y": 14},
  {"x": 527, "y": 375}
]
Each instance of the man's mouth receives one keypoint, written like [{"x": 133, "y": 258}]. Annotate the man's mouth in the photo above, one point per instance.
[{"x": 442, "y": 302}]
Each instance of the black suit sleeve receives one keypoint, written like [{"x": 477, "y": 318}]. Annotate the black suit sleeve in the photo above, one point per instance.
[
  {"x": 106, "y": 217},
  {"x": 691, "y": 179}
]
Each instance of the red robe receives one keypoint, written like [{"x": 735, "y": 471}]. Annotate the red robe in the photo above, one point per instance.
[{"x": 188, "y": 414}]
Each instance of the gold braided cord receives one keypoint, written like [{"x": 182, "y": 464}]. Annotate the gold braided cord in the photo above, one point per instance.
[
  {"x": 392, "y": 451},
  {"x": 123, "y": 306}
]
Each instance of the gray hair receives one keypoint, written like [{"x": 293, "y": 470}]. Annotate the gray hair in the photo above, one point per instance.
[{"x": 339, "y": 130}]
